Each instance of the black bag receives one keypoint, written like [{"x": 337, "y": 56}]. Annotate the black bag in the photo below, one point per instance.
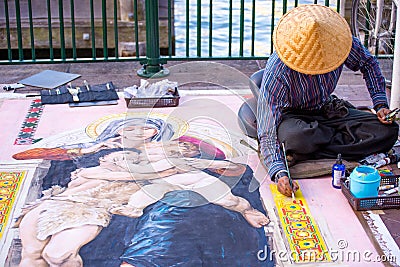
[
  {"x": 59, "y": 95},
  {"x": 98, "y": 92},
  {"x": 85, "y": 93}
]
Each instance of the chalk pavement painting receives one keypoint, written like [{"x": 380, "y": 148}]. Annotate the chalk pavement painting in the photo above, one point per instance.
[{"x": 139, "y": 189}]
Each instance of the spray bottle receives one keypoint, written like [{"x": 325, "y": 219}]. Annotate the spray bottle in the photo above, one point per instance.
[{"x": 338, "y": 172}]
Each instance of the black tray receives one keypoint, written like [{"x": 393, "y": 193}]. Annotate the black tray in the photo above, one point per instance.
[
  {"x": 154, "y": 102},
  {"x": 374, "y": 203}
]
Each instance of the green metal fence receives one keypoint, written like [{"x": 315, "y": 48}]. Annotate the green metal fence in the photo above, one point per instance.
[{"x": 56, "y": 31}]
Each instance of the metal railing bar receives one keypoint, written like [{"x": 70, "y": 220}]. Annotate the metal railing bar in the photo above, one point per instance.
[
  {"x": 116, "y": 29},
  {"x": 238, "y": 46},
  {"x": 6, "y": 13},
  {"x": 19, "y": 32},
  {"x": 217, "y": 58},
  {"x": 253, "y": 28},
  {"x": 272, "y": 25},
  {"x": 284, "y": 8},
  {"x": 73, "y": 33},
  {"x": 169, "y": 28},
  {"x": 230, "y": 28},
  {"x": 135, "y": 10},
  {"x": 51, "y": 51},
  {"x": 187, "y": 29},
  {"x": 104, "y": 21},
  {"x": 93, "y": 30},
  {"x": 198, "y": 28},
  {"x": 31, "y": 30},
  {"x": 125, "y": 59},
  {"x": 367, "y": 24},
  {"x": 61, "y": 19},
  {"x": 210, "y": 30},
  {"x": 241, "y": 34}
]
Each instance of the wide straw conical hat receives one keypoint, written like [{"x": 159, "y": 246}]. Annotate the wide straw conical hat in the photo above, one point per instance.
[{"x": 312, "y": 39}]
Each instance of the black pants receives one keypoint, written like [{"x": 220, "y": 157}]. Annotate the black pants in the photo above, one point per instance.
[{"x": 355, "y": 135}]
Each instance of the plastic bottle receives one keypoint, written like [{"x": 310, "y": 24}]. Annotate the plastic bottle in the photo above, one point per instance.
[{"x": 338, "y": 172}]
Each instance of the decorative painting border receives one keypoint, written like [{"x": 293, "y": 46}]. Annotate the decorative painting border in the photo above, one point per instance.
[
  {"x": 10, "y": 182},
  {"x": 304, "y": 238},
  {"x": 28, "y": 128}
]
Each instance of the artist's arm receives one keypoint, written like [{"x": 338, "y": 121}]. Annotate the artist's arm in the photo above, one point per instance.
[
  {"x": 268, "y": 118},
  {"x": 360, "y": 59}
]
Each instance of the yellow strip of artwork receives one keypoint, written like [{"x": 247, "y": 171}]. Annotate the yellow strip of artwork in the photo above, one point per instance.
[
  {"x": 10, "y": 182},
  {"x": 305, "y": 241}
]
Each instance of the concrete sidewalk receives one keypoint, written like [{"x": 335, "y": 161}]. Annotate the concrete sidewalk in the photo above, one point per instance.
[{"x": 196, "y": 78}]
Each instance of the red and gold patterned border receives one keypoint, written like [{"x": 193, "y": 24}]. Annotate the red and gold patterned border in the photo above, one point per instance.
[
  {"x": 10, "y": 182},
  {"x": 28, "y": 128},
  {"x": 303, "y": 235}
]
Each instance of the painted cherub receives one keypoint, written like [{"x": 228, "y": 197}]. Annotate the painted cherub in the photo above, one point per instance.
[{"x": 184, "y": 173}]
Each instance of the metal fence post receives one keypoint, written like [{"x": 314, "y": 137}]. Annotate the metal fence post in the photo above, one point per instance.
[{"x": 152, "y": 66}]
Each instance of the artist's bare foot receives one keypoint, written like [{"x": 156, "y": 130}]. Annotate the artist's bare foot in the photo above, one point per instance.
[
  {"x": 255, "y": 218},
  {"x": 128, "y": 211}
]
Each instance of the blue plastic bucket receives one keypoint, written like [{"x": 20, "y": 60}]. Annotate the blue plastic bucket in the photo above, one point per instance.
[{"x": 364, "y": 182}]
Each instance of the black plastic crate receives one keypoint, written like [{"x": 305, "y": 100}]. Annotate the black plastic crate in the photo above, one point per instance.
[{"x": 373, "y": 203}]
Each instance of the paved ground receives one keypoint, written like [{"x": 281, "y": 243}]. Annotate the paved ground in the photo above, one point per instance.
[{"x": 195, "y": 76}]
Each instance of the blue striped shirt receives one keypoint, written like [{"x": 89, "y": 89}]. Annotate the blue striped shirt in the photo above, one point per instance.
[{"x": 283, "y": 87}]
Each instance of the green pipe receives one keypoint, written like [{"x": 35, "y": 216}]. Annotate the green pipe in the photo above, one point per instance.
[
  {"x": 152, "y": 66},
  {"x": 19, "y": 31},
  {"x": 152, "y": 31}
]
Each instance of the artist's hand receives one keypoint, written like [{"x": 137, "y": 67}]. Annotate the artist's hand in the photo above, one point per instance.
[
  {"x": 381, "y": 114},
  {"x": 284, "y": 186}
]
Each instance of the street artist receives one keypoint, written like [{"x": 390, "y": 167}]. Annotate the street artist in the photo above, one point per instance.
[{"x": 296, "y": 106}]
